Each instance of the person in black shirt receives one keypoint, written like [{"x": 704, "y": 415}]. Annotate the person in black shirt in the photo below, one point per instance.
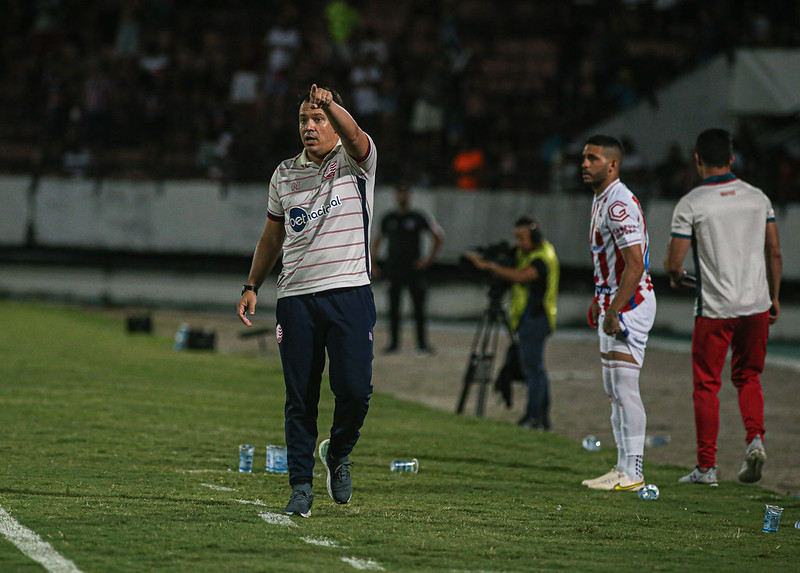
[{"x": 405, "y": 264}]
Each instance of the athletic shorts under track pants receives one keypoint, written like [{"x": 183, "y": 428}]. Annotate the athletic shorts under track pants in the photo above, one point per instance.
[{"x": 341, "y": 322}]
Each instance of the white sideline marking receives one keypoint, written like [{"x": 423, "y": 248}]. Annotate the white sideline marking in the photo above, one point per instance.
[
  {"x": 320, "y": 541},
  {"x": 362, "y": 564},
  {"x": 202, "y": 471},
  {"x": 276, "y": 519},
  {"x": 217, "y": 487},
  {"x": 280, "y": 519},
  {"x": 34, "y": 546},
  {"x": 256, "y": 502}
]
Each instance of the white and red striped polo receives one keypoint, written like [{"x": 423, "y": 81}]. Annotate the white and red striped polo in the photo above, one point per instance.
[
  {"x": 617, "y": 222},
  {"x": 327, "y": 211}
]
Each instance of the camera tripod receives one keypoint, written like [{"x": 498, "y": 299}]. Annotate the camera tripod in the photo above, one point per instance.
[{"x": 484, "y": 350}]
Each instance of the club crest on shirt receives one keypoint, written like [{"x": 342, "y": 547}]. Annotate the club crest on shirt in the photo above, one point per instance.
[
  {"x": 617, "y": 211},
  {"x": 330, "y": 170}
]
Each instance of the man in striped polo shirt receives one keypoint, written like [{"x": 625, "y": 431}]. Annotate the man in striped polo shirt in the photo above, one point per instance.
[
  {"x": 624, "y": 305},
  {"x": 318, "y": 217},
  {"x": 731, "y": 228}
]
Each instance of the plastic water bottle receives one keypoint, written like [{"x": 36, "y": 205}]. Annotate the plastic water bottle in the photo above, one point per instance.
[
  {"x": 181, "y": 337},
  {"x": 405, "y": 465},
  {"x": 656, "y": 441},
  {"x": 246, "y": 458},
  {"x": 649, "y": 492},
  {"x": 623, "y": 333},
  {"x": 591, "y": 444},
  {"x": 772, "y": 518},
  {"x": 276, "y": 459}
]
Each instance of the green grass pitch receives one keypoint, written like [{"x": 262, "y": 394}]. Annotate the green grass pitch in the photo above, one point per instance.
[{"x": 122, "y": 455}]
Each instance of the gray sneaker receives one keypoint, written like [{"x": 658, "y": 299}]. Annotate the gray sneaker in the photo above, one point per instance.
[
  {"x": 754, "y": 457},
  {"x": 339, "y": 486},
  {"x": 300, "y": 503},
  {"x": 708, "y": 477}
]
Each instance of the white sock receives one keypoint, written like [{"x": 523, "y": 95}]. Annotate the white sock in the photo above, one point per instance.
[
  {"x": 624, "y": 393},
  {"x": 633, "y": 467},
  {"x": 616, "y": 418}
]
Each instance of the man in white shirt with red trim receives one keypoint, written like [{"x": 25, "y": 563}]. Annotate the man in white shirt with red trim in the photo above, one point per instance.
[
  {"x": 623, "y": 308},
  {"x": 731, "y": 228},
  {"x": 319, "y": 216}
]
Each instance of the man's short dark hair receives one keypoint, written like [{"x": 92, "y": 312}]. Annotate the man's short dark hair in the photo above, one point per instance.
[
  {"x": 607, "y": 142},
  {"x": 302, "y": 98},
  {"x": 533, "y": 227},
  {"x": 525, "y": 220},
  {"x": 714, "y": 147}
]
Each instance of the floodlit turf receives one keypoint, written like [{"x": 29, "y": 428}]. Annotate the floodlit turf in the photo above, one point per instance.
[{"x": 122, "y": 454}]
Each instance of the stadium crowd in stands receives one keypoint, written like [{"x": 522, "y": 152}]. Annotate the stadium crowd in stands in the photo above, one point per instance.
[{"x": 153, "y": 89}]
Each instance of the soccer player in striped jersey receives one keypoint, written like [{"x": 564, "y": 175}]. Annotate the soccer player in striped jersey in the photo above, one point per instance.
[
  {"x": 318, "y": 217},
  {"x": 624, "y": 305}
]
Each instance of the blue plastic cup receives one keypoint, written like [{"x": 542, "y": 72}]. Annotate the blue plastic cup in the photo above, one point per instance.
[{"x": 772, "y": 518}]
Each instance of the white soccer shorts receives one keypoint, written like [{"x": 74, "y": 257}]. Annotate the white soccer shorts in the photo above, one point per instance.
[{"x": 638, "y": 321}]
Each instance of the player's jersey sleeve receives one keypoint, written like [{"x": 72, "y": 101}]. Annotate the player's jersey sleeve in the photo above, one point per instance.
[
  {"x": 682, "y": 219},
  {"x": 274, "y": 205},
  {"x": 366, "y": 166},
  {"x": 624, "y": 222},
  {"x": 770, "y": 210}
]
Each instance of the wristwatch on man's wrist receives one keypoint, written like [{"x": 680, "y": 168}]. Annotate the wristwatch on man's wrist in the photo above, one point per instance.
[{"x": 246, "y": 288}]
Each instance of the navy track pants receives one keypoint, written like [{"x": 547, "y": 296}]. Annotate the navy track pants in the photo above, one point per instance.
[{"x": 340, "y": 322}]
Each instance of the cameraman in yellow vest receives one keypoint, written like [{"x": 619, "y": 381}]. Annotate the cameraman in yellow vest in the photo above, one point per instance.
[{"x": 532, "y": 313}]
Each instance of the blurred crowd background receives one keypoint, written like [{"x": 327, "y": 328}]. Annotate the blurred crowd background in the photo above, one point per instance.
[{"x": 468, "y": 94}]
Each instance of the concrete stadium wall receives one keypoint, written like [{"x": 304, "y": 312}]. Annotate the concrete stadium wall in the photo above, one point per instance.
[
  {"x": 14, "y": 210},
  {"x": 195, "y": 217},
  {"x": 183, "y": 217}
]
